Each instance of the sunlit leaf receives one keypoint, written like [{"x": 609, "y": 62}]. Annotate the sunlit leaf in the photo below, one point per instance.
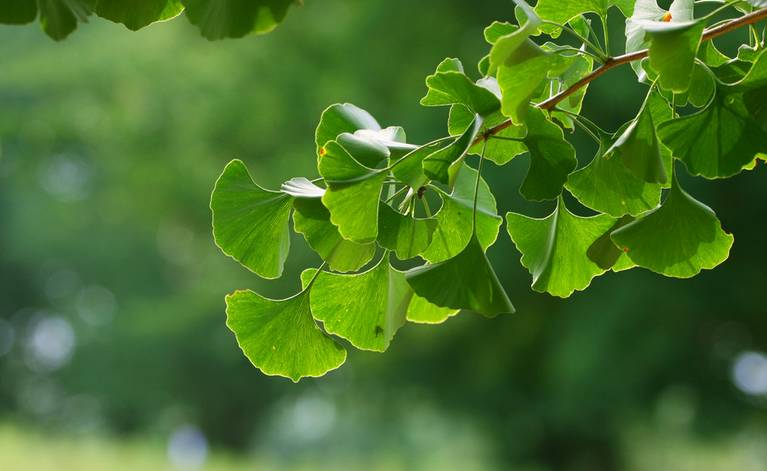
[
  {"x": 450, "y": 85},
  {"x": 280, "y": 337},
  {"x": 554, "y": 248},
  {"x": 352, "y": 194},
  {"x": 673, "y": 48},
  {"x": 444, "y": 164},
  {"x": 679, "y": 239},
  {"x": 250, "y": 224}
]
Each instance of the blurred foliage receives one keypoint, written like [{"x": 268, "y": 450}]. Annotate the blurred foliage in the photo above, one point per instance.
[{"x": 109, "y": 146}]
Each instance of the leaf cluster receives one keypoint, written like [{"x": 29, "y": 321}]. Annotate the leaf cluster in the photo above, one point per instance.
[{"x": 403, "y": 229}]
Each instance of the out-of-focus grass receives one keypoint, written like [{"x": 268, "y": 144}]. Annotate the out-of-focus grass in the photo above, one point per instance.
[{"x": 31, "y": 451}]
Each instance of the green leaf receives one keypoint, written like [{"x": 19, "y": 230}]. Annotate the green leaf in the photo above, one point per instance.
[
  {"x": 579, "y": 67},
  {"x": 552, "y": 158},
  {"x": 605, "y": 253},
  {"x": 679, "y": 239},
  {"x": 507, "y": 144},
  {"x": 718, "y": 141},
  {"x": 554, "y": 248},
  {"x": 312, "y": 220},
  {"x": 444, "y": 164},
  {"x": 522, "y": 75},
  {"x": 422, "y": 311},
  {"x": 407, "y": 236},
  {"x": 562, "y": 11},
  {"x": 366, "y": 309},
  {"x": 59, "y": 17},
  {"x": 342, "y": 118},
  {"x": 673, "y": 48},
  {"x": 645, "y": 11},
  {"x": 138, "y": 13},
  {"x": 466, "y": 281},
  {"x": 608, "y": 186},
  {"x": 515, "y": 41},
  {"x": 409, "y": 169},
  {"x": 639, "y": 149},
  {"x": 352, "y": 194},
  {"x": 218, "y": 19},
  {"x": 280, "y": 337},
  {"x": 454, "y": 219},
  {"x": 250, "y": 224},
  {"x": 450, "y": 85}
]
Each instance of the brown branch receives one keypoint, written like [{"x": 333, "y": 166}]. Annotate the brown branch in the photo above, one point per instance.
[{"x": 612, "y": 62}]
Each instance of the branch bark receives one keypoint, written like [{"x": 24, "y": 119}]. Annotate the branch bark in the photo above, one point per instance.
[{"x": 612, "y": 62}]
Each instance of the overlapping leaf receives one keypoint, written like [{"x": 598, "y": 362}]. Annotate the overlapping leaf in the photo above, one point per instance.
[
  {"x": 454, "y": 219},
  {"x": 449, "y": 85},
  {"x": 554, "y": 248},
  {"x": 466, "y": 281},
  {"x": 352, "y": 194},
  {"x": 729, "y": 133},
  {"x": 407, "y": 236},
  {"x": 562, "y": 11},
  {"x": 679, "y": 239},
  {"x": 444, "y": 164}
]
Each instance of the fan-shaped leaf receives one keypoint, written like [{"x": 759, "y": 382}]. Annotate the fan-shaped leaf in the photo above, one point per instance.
[
  {"x": 250, "y": 224},
  {"x": 679, "y": 239},
  {"x": 218, "y": 19},
  {"x": 554, "y": 248},
  {"x": 407, "y": 236},
  {"x": 280, "y": 337},
  {"x": 466, "y": 281}
]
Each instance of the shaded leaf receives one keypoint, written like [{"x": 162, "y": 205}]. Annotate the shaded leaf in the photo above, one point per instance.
[
  {"x": 466, "y": 281},
  {"x": 552, "y": 158},
  {"x": 443, "y": 165},
  {"x": 138, "y": 13},
  {"x": 454, "y": 219},
  {"x": 450, "y": 85},
  {"x": 218, "y": 19},
  {"x": 673, "y": 48},
  {"x": 407, "y": 236},
  {"x": 409, "y": 169},
  {"x": 312, "y": 220}
]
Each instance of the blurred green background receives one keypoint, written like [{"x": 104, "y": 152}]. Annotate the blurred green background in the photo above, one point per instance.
[{"x": 113, "y": 349}]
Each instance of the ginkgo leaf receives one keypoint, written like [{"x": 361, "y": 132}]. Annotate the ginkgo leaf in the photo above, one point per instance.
[
  {"x": 552, "y": 158},
  {"x": 454, "y": 219},
  {"x": 500, "y": 148},
  {"x": 639, "y": 149},
  {"x": 516, "y": 40},
  {"x": 449, "y": 85},
  {"x": 608, "y": 186},
  {"x": 312, "y": 220},
  {"x": 466, "y": 281},
  {"x": 554, "y": 248},
  {"x": 421, "y": 311},
  {"x": 17, "y": 12},
  {"x": 679, "y": 239},
  {"x": 673, "y": 48},
  {"x": 352, "y": 194},
  {"x": 137, "y": 14},
  {"x": 718, "y": 141},
  {"x": 604, "y": 252},
  {"x": 562, "y": 11},
  {"x": 342, "y": 118},
  {"x": 366, "y": 308},
  {"x": 218, "y": 19},
  {"x": 409, "y": 169},
  {"x": 250, "y": 224},
  {"x": 407, "y": 236},
  {"x": 444, "y": 164},
  {"x": 280, "y": 337},
  {"x": 60, "y": 17}
]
